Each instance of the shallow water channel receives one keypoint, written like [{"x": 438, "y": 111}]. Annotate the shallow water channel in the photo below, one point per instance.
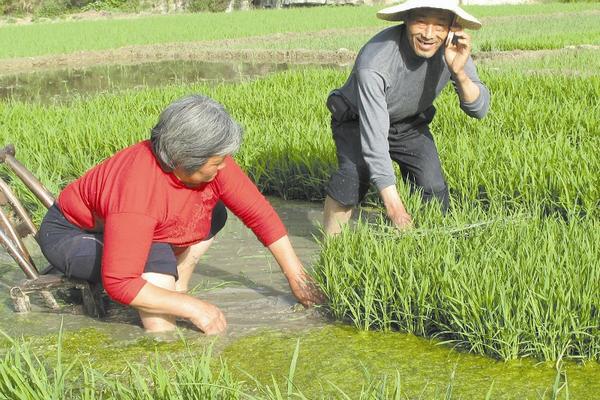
[
  {"x": 60, "y": 85},
  {"x": 265, "y": 323}
]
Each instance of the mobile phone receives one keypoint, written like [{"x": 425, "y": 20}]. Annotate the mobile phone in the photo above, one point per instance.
[{"x": 452, "y": 38}]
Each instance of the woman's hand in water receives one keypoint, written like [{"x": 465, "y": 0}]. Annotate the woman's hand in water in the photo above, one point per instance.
[
  {"x": 209, "y": 319},
  {"x": 306, "y": 290}
]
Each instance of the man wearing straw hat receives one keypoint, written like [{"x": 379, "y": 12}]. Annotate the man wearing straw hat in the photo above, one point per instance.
[{"x": 382, "y": 112}]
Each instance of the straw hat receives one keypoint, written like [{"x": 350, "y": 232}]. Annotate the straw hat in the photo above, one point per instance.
[{"x": 400, "y": 11}]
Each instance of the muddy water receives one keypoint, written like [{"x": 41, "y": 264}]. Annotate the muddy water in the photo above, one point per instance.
[
  {"x": 238, "y": 274},
  {"x": 58, "y": 86}
]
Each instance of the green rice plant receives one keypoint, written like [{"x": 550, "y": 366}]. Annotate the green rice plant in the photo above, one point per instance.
[
  {"x": 519, "y": 285},
  {"x": 25, "y": 376},
  {"x": 582, "y": 62},
  {"x": 540, "y": 31},
  {"x": 526, "y": 31},
  {"x": 536, "y": 148},
  {"x": 69, "y": 36},
  {"x": 192, "y": 378},
  {"x": 507, "y": 27}
]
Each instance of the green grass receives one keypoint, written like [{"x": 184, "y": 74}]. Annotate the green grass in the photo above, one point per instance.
[
  {"x": 66, "y": 37},
  {"x": 506, "y": 27},
  {"x": 499, "y": 33},
  {"x": 25, "y": 376},
  {"x": 539, "y": 31},
  {"x": 583, "y": 62},
  {"x": 197, "y": 374}
]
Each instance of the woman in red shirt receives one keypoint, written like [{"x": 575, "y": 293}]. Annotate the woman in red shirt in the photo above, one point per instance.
[{"x": 140, "y": 220}]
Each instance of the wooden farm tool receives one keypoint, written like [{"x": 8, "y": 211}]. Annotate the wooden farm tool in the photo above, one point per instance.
[{"x": 16, "y": 225}]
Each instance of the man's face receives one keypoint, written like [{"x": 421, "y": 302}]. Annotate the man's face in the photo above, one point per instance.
[{"x": 427, "y": 30}]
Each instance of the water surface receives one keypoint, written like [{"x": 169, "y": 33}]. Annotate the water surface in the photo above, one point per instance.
[{"x": 60, "y": 86}]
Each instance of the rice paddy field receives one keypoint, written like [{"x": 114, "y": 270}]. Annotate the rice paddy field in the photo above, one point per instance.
[
  {"x": 511, "y": 273},
  {"x": 507, "y": 27}
]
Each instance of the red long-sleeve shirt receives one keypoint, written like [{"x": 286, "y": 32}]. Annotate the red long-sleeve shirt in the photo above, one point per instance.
[{"x": 135, "y": 203}]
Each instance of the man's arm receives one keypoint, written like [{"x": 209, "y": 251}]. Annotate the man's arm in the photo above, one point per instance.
[
  {"x": 394, "y": 208},
  {"x": 374, "y": 123},
  {"x": 474, "y": 96},
  {"x": 467, "y": 90}
]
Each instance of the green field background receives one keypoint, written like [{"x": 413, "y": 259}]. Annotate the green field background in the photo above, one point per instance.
[{"x": 506, "y": 27}]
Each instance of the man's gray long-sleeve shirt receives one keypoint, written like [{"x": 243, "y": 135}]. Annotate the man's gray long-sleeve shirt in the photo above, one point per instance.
[{"x": 389, "y": 83}]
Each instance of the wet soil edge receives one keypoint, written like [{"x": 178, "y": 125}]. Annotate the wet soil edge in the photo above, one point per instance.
[{"x": 220, "y": 50}]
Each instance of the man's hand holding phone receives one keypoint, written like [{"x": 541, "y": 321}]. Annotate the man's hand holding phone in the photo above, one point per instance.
[
  {"x": 457, "y": 49},
  {"x": 456, "y": 52}
]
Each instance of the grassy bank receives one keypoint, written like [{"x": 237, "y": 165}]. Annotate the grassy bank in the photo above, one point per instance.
[
  {"x": 530, "y": 26},
  {"x": 26, "y": 376}
]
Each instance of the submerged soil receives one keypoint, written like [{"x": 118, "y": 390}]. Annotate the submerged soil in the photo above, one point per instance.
[{"x": 237, "y": 274}]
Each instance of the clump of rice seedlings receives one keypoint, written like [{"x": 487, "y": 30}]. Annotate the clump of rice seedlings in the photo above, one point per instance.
[
  {"x": 537, "y": 146},
  {"x": 503, "y": 285}
]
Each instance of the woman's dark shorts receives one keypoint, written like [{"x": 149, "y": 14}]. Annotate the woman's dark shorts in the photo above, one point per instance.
[{"x": 78, "y": 253}]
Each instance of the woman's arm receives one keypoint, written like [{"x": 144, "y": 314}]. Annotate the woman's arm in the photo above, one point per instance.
[
  {"x": 242, "y": 197},
  {"x": 302, "y": 285},
  {"x": 127, "y": 241},
  {"x": 207, "y": 317}
]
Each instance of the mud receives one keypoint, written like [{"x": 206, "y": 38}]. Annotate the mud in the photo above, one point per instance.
[
  {"x": 528, "y": 54},
  {"x": 218, "y": 50},
  {"x": 229, "y": 50},
  {"x": 237, "y": 274}
]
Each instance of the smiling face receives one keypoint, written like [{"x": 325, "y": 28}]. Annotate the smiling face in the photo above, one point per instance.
[
  {"x": 206, "y": 173},
  {"x": 427, "y": 30}
]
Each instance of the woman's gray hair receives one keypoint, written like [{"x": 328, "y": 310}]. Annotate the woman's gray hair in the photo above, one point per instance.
[{"x": 191, "y": 130}]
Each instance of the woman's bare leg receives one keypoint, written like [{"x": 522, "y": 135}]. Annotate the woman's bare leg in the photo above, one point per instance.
[
  {"x": 187, "y": 261},
  {"x": 158, "y": 322}
]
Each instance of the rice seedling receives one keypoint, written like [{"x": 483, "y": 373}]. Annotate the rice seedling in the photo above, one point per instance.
[
  {"x": 521, "y": 285},
  {"x": 25, "y": 376},
  {"x": 536, "y": 147},
  {"x": 531, "y": 26}
]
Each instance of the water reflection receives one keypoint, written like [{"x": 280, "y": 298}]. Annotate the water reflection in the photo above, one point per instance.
[{"x": 59, "y": 86}]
